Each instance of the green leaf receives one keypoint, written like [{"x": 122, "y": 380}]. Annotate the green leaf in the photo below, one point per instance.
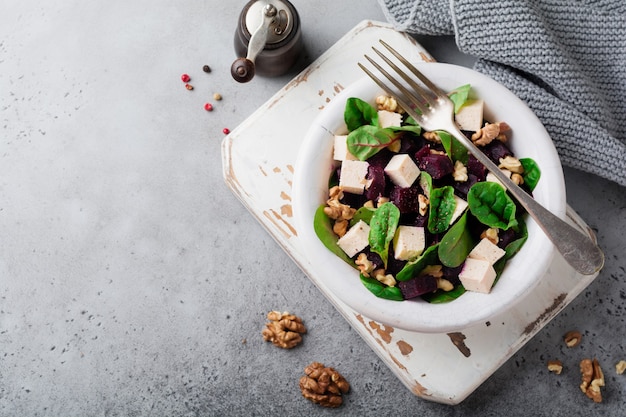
[
  {"x": 456, "y": 244},
  {"x": 426, "y": 182},
  {"x": 383, "y": 227},
  {"x": 413, "y": 268},
  {"x": 364, "y": 214},
  {"x": 442, "y": 205},
  {"x": 324, "y": 231},
  {"x": 368, "y": 140},
  {"x": 532, "y": 173},
  {"x": 440, "y": 297},
  {"x": 407, "y": 128},
  {"x": 491, "y": 205},
  {"x": 453, "y": 148},
  {"x": 381, "y": 290},
  {"x": 459, "y": 96},
  {"x": 358, "y": 113}
]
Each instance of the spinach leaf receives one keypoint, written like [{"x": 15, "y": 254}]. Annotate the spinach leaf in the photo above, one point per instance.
[
  {"x": 491, "y": 205},
  {"x": 411, "y": 269},
  {"x": 456, "y": 244},
  {"x": 364, "y": 214},
  {"x": 426, "y": 182},
  {"x": 442, "y": 205},
  {"x": 368, "y": 140},
  {"x": 381, "y": 290},
  {"x": 407, "y": 128},
  {"x": 459, "y": 96},
  {"x": 440, "y": 297},
  {"x": 532, "y": 173},
  {"x": 382, "y": 229},
  {"x": 358, "y": 113},
  {"x": 324, "y": 231},
  {"x": 453, "y": 148}
]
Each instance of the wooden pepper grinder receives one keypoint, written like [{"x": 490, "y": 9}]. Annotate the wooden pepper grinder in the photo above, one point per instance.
[{"x": 268, "y": 35}]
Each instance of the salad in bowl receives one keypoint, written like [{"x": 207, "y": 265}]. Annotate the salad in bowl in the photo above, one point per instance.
[{"x": 404, "y": 225}]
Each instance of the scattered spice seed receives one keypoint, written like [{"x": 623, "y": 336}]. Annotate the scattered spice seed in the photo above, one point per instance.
[
  {"x": 206, "y": 68},
  {"x": 208, "y": 107},
  {"x": 189, "y": 86},
  {"x": 217, "y": 96},
  {"x": 185, "y": 77},
  {"x": 226, "y": 131}
]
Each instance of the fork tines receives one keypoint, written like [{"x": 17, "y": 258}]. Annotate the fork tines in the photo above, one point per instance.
[{"x": 408, "y": 99}]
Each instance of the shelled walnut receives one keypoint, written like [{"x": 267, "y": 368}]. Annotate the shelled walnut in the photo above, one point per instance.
[
  {"x": 592, "y": 379},
  {"x": 572, "y": 338},
  {"x": 555, "y": 366},
  {"x": 284, "y": 330},
  {"x": 323, "y": 385}
]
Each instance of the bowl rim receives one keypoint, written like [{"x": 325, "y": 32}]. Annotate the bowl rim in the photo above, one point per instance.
[{"x": 316, "y": 150}]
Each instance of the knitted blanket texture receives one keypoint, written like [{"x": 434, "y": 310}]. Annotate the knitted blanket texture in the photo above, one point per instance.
[{"x": 565, "y": 58}]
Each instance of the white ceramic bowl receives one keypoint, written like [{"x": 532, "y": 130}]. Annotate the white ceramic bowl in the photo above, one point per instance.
[{"x": 522, "y": 272}]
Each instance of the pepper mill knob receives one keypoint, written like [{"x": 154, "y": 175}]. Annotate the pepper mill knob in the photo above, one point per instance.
[
  {"x": 269, "y": 37},
  {"x": 242, "y": 70}
]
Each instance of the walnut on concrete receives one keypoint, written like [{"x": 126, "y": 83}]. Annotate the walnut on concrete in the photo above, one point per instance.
[
  {"x": 592, "y": 379},
  {"x": 283, "y": 330},
  {"x": 323, "y": 385}
]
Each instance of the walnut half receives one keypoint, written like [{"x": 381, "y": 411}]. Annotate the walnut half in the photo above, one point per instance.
[
  {"x": 323, "y": 385},
  {"x": 592, "y": 379},
  {"x": 284, "y": 330}
]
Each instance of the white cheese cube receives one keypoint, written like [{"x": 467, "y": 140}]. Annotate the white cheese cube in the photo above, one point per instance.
[
  {"x": 402, "y": 170},
  {"x": 389, "y": 118},
  {"x": 487, "y": 251},
  {"x": 492, "y": 178},
  {"x": 477, "y": 275},
  {"x": 353, "y": 173},
  {"x": 356, "y": 239},
  {"x": 409, "y": 242},
  {"x": 460, "y": 207},
  {"x": 340, "y": 149},
  {"x": 470, "y": 115}
]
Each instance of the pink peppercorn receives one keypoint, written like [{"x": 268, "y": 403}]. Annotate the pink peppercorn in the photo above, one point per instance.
[
  {"x": 226, "y": 131},
  {"x": 208, "y": 107},
  {"x": 186, "y": 78}
]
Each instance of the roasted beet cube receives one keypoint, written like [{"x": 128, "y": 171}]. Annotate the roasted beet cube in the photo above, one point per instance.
[
  {"x": 506, "y": 237},
  {"x": 381, "y": 159},
  {"x": 376, "y": 177},
  {"x": 406, "y": 199},
  {"x": 476, "y": 168},
  {"x": 462, "y": 188},
  {"x": 410, "y": 144},
  {"x": 417, "y": 286},
  {"x": 438, "y": 166},
  {"x": 497, "y": 150},
  {"x": 424, "y": 150}
]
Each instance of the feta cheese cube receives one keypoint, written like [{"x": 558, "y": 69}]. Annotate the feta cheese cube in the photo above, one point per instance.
[
  {"x": 487, "y": 251},
  {"x": 353, "y": 173},
  {"x": 356, "y": 239},
  {"x": 460, "y": 207},
  {"x": 470, "y": 115},
  {"x": 409, "y": 242},
  {"x": 389, "y": 118},
  {"x": 477, "y": 275},
  {"x": 402, "y": 170},
  {"x": 340, "y": 149}
]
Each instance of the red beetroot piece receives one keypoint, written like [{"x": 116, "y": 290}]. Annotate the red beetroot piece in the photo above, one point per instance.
[
  {"x": 438, "y": 166},
  {"x": 417, "y": 286}
]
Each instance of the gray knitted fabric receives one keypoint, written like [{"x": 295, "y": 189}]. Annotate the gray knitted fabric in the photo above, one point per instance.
[{"x": 565, "y": 58}]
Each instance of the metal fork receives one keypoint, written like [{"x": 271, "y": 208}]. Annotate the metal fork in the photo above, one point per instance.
[{"x": 435, "y": 111}]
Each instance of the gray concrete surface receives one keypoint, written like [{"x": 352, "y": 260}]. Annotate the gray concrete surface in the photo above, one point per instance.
[{"x": 133, "y": 283}]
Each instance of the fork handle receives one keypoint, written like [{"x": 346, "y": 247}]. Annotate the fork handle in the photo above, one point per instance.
[{"x": 577, "y": 249}]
